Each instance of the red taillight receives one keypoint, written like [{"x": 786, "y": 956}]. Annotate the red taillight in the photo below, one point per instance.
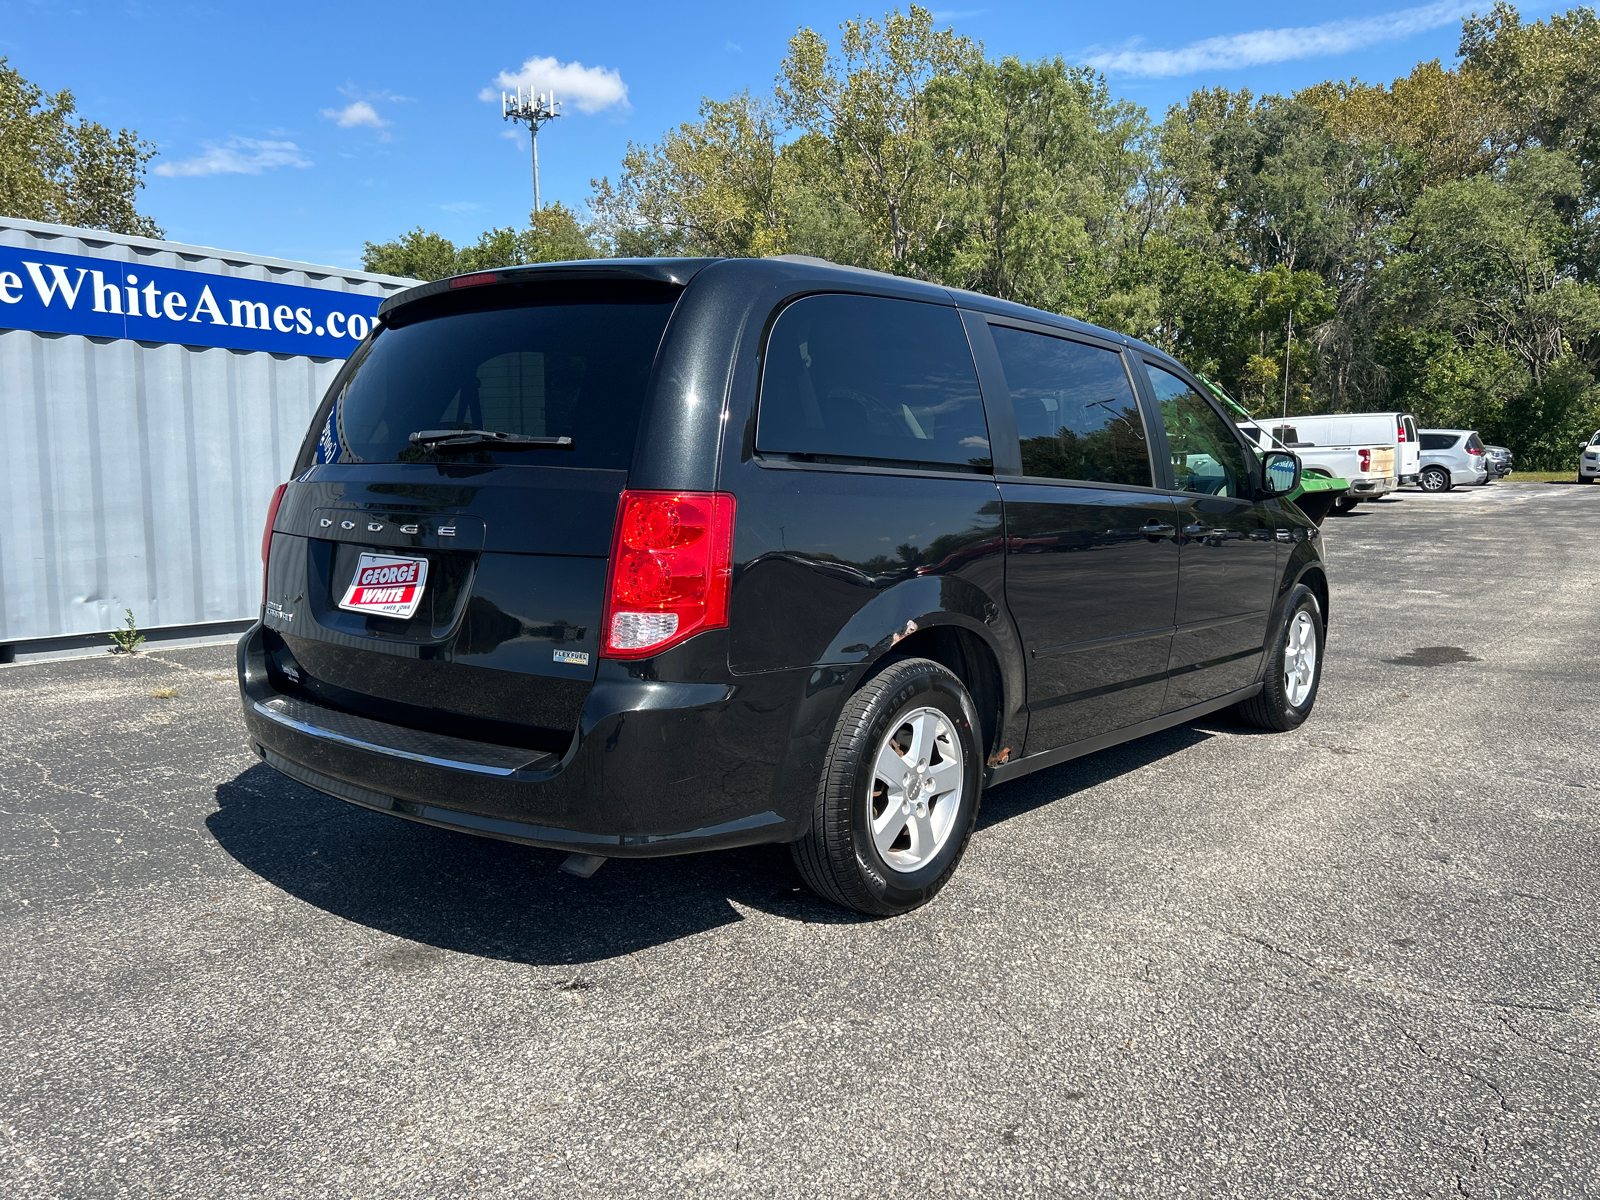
[
  {"x": 1366, "y": 459},
  {"x": 266, "y": 535},
  {"x": 1400, "y": 432},
  {"x": 461, "y": 281},
  {"x": 1470, "y": 450},
  {"x": 671, "y": 565}
]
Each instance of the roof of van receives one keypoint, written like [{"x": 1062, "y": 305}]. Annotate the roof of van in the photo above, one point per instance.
[{"x": 681, "y": 270}]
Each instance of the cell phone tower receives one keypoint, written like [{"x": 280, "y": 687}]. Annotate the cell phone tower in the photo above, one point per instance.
[{"x": 533, "y": 112}]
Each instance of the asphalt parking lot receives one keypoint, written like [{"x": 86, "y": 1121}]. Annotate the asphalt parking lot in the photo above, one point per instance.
[{"x": 1361, "y": 959}]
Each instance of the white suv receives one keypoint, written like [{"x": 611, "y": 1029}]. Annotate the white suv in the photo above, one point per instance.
[
  {"x": 1589, "y": 460},
  {"x": 1449, "y": 457}
]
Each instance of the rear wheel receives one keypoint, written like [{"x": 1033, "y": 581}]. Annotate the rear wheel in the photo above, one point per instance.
[
  {"x": 1345, "y": 504},
  {"x": 1294, "y": 668},
  {"x": 1434, "y": 479},
  {"x": 899, "y": 792}
]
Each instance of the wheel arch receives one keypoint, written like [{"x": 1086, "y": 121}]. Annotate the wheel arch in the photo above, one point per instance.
[
  {"x": 1315, "y": 578},
  {"x": 967, "y": 656}
]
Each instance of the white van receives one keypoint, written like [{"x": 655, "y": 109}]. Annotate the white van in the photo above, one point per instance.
[{"x": 1395, "y": 429}]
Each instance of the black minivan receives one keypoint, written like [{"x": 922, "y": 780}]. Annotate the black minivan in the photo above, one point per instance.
[{"x": 641, "y": 557}]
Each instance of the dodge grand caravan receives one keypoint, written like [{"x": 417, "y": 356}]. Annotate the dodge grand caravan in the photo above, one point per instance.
[{"x": 655, "y": 556}]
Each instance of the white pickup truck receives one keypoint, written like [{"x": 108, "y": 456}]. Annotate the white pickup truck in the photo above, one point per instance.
[{"x": 1370, "y": 470}]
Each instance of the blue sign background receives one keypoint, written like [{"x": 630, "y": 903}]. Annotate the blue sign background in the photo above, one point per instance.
[{"x": 103, "y": 297}]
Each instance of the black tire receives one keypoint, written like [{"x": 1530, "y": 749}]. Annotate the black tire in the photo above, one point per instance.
[
  {"x": 1344, "y": 504},
  {"x": 1270, "y": 708},
  {"x": 1435, "y": 479},
  {"x": 837, "y": 858}
]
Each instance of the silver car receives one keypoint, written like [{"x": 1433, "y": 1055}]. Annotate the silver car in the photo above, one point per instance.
[
  {"x": 1499, "y": 460},
  {"x": 1589, "y": 460},
  {"x": 1449, "y": 457}
]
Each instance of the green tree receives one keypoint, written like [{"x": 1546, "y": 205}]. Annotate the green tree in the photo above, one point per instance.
[
  {"x": 1042, "y": 165},
  {"x": 714, "y": 186},
  {"x": 419, "y": 254},
  {"x": 868, "y": 145},
  {"x": 69, "y": 171},
  {"x": 554, "y": 234}
]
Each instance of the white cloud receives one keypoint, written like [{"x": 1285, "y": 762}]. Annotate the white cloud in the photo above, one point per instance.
[
  {"x": 592, "y": 89},
  {"x": 1278, "y": 45},
  {"x": 957, "y": 14},
  {"x": 734, "y": 48},
  {"x": 237, "y": 156},
  {"x": 356, "y": 113}
]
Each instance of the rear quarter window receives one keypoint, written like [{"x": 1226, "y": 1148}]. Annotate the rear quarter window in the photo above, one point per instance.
[
  {"x": 873, "y": 379},
  {"x": 1438, "y": 441}
]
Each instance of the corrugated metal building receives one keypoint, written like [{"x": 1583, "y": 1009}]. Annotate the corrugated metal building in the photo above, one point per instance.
[{"x": 144, "y": 436}]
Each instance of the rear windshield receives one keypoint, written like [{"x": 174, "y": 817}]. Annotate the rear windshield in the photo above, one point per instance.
[
  {"x": 574, "y": 368},
  {"x": 1473, "y": 443}
]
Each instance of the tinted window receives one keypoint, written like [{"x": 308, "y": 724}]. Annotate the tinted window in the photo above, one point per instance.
[
  {"x": 1411, "y": 430},
  {"x": 1473, "y": 443},
  {"x": 1438, "y": 441},
  {"x": 577, "y": 370},
  {"x": 1077, "y": 417},
  {"x": 866, "y": 377},
  {"x": 1206, "y": 456}
]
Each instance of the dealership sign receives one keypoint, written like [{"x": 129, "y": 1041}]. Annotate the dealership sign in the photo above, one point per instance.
[{"x": 102, "y": 297}]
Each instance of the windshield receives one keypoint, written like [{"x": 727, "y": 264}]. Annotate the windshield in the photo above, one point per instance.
[{"x": 574, "y": 369}]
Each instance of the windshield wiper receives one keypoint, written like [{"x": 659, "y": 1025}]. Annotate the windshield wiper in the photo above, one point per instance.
[{"x": 447, "y": 439}]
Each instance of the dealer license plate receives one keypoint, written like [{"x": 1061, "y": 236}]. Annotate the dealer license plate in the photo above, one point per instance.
[{"x": 386, "y": 585}]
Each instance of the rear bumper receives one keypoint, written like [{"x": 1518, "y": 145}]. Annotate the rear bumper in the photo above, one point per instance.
[
  {"x": 1372, "y": 487},
  {"x": 656, "y": 768}
]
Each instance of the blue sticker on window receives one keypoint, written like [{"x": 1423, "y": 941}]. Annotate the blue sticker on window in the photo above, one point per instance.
[{"x": 328, "y": 442}]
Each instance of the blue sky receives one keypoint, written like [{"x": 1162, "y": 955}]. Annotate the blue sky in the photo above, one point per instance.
[{"x": 304, "y": 129}]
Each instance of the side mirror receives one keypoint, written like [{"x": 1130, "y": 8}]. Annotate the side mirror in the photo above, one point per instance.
[{"x": 1280, "y": 472}]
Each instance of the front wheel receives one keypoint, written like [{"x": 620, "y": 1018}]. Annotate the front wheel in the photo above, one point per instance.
[
  {"x": 898, "y": 795},
  {"x": 1294, "y": 668},
  {"x": 1435, "y": 479}
]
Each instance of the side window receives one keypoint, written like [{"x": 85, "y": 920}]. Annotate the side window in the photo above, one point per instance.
[
  {"x": 1438, "y": 441},
  {"x": 868, "y": 377},
  {"x": 1206, "y": 457},
  {"x": 1077, "y": 417}
]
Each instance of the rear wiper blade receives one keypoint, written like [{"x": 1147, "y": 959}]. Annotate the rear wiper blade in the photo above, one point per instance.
[{"x": 444, "y": 439}]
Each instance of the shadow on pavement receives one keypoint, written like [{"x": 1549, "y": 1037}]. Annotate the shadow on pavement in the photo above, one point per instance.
[
  {"x": 506, "y": 901},
  {"x": 1060, "y": 783},
  {"x": 478, "y": 896}
]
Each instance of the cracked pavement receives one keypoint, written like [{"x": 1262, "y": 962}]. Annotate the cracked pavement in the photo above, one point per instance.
[{"x": 1359, "y": 959}]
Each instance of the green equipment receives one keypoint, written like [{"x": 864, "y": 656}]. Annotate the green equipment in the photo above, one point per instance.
[{"x": 1318, "y": 490}]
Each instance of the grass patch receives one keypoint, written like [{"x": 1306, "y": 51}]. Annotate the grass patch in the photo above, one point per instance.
[
  {"x": 1544, "y": 476},
  {"x": 163, "y": 693}
]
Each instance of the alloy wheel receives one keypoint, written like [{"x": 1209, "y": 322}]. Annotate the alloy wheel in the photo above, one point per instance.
[
  {"x": 1300, "y": 658},
  {"x": 917, "y": 776}
]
